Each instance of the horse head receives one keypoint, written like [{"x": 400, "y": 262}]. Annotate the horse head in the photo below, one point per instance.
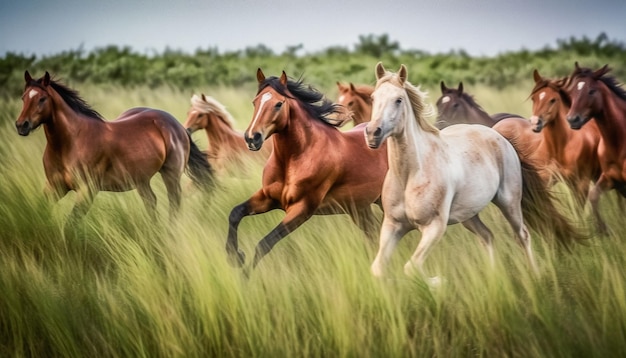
[
  {"x": 585, "y": 92},
  {"x": 37, "y": 106}
]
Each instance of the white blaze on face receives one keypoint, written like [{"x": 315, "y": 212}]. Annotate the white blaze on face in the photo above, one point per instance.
[
  {"x": 32, "y": 93},
  {"x": 341, "y": 98},
  {"x": 580, "y": 85},
  {"x": 266, "y": 97},
  {"x": 542, "y": 95},
  {"x": 445, "y": 99}
]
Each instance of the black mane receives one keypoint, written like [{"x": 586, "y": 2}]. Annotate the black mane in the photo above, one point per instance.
[
  {"x": 72, "y": 98},
  {"x": 610, "y": 81},
  {"x": 313, "y": 101}
]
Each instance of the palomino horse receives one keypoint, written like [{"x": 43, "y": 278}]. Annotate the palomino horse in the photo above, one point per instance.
[
  {"x": 314, "y": 168},
  {"x": 87, "y": 154},
  {"x": 357, "y": 99},
  {"x": 596, "y": 95},
  {"x": 574, "y": 152},
  {"x": 432, "y": 180},
  {"x": 227, "y": 150},
  {"x": 455, "y": 107}
]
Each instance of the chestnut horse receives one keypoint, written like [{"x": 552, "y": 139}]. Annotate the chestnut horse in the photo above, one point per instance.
[
  {"x": 87, "y": 154},
  {"x": 455, "y": 106},
  {"x": 314, "y": 167},
  {"x": 596, "y": 95},
  {"x": 432, "y": 180},
  {"x": 356, "y": 99},
  {"x": 227, "y": 150},
  {"x": 575, "y": 152}
]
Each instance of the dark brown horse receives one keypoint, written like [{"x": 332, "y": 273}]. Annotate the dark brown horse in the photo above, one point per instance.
[
  {"x": 574, "y": 152},
  {"x": 314, "y": 168},
  {"x": 595, "y": 94},
  {"x": 456, "y": 106},
  {"x": 87, "y": 154},
  {"x": 357, "y": 99}
]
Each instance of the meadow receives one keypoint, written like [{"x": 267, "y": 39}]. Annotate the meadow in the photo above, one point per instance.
[{"x": 122, "y": 285}]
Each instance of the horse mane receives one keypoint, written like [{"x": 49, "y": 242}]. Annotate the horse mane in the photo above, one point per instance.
[
  {"x": 557, "y": 85},
  {"x": 417, "y": 100},
  {"x": 365, "y": 92},
  {"x": 611, "y": 82},
  {"x": 209, "y": 104},
  {"x": 73, "y": 99},
  {"x": 313, "y": 101}
]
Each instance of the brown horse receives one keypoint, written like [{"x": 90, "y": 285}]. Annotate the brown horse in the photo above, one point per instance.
[
  {"x": 227, "y": 150},
  {"x": 575, "y": 152},
  {"x": 87, "y": 154},
  {"x": 357, "y": 99},
  {"x": 596, "y": 95},
  {"x": 455, "y": 107},
  {"x": 314, "y": 168}
]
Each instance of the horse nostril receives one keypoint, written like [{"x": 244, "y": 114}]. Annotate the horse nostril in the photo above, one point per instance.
[
  {"x": 378, "y": 132},
  {"x": 257, "y": 137}
]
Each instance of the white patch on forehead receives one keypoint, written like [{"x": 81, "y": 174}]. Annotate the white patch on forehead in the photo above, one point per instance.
[
  {"x": 32, "y": 93},
  {"x": 542, "y": 95},
  {"x": 580, "y": 85},
  {"x": 445, "y": 99},
  {"x": 264, "y": 98},
  {"x": 340, "y": 99}
]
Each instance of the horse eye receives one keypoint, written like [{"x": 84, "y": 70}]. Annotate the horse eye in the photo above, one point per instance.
[
  {"x": 350, "y": 103},
  {"x": 278, "y": 105},
  {"x": 399, "y": 101},
  {"x": 455, "y": 105},
  {"x": 553, "y": 100},
  {"x": 592, "y": 92},
  {"x": 42, "y": 100}
]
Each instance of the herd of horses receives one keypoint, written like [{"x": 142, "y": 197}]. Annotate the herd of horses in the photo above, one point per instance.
[{"x": 423, "y": 175}]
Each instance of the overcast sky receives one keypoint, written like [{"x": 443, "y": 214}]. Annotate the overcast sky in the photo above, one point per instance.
[{"x": 480, "y": 27}]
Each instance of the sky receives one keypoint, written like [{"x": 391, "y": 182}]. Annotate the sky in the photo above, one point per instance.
[{"x": 479, "y": 27}]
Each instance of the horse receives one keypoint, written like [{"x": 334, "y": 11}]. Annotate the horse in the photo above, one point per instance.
[
  {"x": 456, "y": 106},
  {"x": 356, "y": 99},
  {"x": 227, "y": 150},
  {"x": 314, "y": 167},
  {"x": 432, "y": 179},
  {"x": 575, "y": 152},
  {"x": 594, "y": 94},
  {"x": 87, "y": 154}
]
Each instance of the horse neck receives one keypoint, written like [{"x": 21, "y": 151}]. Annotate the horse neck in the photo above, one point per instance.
[
  {"x": 410, "y": 150},
  {"x": 479, "y": 116},
  {"x": 222, "y": 137},
  {"x": 364, "y": 111},
  {"x": 295, "y": 137},
  {"x": 557, "y": 135},
  {"x": 63, "y": 124},
  {"x": 611, "y": 120}
]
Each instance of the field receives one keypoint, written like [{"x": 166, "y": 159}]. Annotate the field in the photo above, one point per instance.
[{"x": 121, "y": 285}]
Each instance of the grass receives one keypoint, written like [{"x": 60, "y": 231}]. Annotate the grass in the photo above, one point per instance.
[{"x": 121, "y": 285}]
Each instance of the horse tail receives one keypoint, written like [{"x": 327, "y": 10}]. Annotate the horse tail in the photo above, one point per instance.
[
  {"x": 539, "y": 206},
  {"x": 198, "y": 167}
]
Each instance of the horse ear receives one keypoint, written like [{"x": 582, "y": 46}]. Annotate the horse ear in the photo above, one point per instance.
[
  {"x": 443, "y": 87},
  {"x": 599, "y": 73},
  {"x": 27, "y": 77},
  {"x": 203, "y": 97},
  {"x": 260, "y": 77},
  {"x": 283, "y": 78},
  {"x": 460, "y": 89},
  {"x": 46, "y": 79},
  {"x": 352, "y": 88},
  {"x": 576, "y": 66},
  {"x": 537, "y": 76},
  {"x": 380, "y": 70},
  {"x": 402, "y": 73}
]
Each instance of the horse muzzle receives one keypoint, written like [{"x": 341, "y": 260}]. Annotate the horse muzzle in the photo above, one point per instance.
[
  {"x": 536, "y": 124},
  {"x": 255, "y": 142},
  {"x": 23, "y": 128},
  {"x": 576, "y": 122},
  {"x": 373, "y": 139}
]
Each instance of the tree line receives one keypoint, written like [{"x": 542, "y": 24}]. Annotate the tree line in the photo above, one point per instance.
[{"x": 126, "y": 67}]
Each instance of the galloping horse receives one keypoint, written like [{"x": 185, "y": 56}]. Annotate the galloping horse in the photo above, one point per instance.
[
  {"x": 314, "y": 168},
  {"x": 596, "y": 95},
  {"x": 87, "y": 154},
  {"x": 437, "y": 178},
  {"x": 357, "y": 99},
  {"x": 455, "y": 107},
  {"x": 227, "y": 150},
  {"x": 575, "y": 152}
]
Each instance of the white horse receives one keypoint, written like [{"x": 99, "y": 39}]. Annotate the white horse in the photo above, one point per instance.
[{"x": 437, "y": 178}]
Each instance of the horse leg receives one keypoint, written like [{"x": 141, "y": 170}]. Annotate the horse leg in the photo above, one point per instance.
[
  {"x": 84, "y": 199},
  {"x": 390, "y": 234},
  {"x": 148, "y": 198},
  {"x": 513, "y": 214},
  {"x": 296, "y": 215},
  {"x": 174, "y": 190},
  {"x": 257, "y": 204},
  {"x": 431, "y": 233},
  {"x": 594, "y": 199},
  {"x": 476, "y": 226}
]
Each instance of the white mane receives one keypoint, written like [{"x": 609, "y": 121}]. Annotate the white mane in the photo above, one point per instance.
[{"x": 211, "y": 105}]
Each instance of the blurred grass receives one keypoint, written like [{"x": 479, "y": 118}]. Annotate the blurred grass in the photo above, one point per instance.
[{"x": 127, "y": 286}]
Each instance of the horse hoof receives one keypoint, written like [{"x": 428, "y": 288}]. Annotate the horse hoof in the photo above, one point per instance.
[{"x": 237, "y": 259}]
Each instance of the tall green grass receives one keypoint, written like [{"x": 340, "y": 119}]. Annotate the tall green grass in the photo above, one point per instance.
[{"x": 121, "y": 285}]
